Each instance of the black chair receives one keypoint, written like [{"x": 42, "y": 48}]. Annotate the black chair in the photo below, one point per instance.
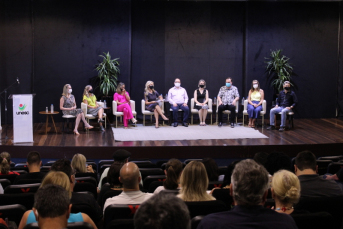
[
  {"x": 196, "y": 221},
  {"x": 150, "y": 171},
  {"x": 94, "y": 175},
  {"x": 20, "y": 166},
  {"x": 85, "y": 208},
  {"x": 149, "y": 179},
  {"x": 86, "y": 186},
  {"x": 25, "y": 199},
  {"x": 11, "y": 177},
  {"x": 222, "y": 170},
  {"x": 332, "y": 205},
  {"x": 12, "y": 164},
  {"x": 121, "y": 224},
  {"x": 18, "y": 170},
  {"x": 103, "y": 167},
  {"x": 119, "y": 211},
  {"x": 334, "y": 167},
  {"x": 189, "y": 160},
  {"x": 88, "y": 179},
  {"x": 205, "y": 207},
  {"x": 78, "y": 225},
  {"x": 154, "y": 185},
  {"x": 144, "y": 164},
  {"x": 109, "y": 194},
  {"x": 323, "y": 166},
  {"x": 49, "y": 163},
  {"x": 4, "y": 183},
  {"x": 332, "y": 158},
  {"x": 214, "y": 184},
  {"x": 224, "y": 196},
  {"x": 103, "y": 162},
  {"x": 45, "y": 169},
  {"x": 317, "y": 220},
  {"x": 21, "y": 188},
  {"x": 12, "y": 212},
  {"x": 29, "y": 181}
]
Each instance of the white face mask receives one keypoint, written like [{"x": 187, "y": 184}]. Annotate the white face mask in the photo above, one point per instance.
[
  {"x": 177, "y": 84},
  {"x": 255, "y": 86},
  {"x": 70, "y": 91}
]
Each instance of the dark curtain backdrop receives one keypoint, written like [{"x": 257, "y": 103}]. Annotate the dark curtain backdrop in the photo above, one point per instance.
[{"x": 50, "y": 43}]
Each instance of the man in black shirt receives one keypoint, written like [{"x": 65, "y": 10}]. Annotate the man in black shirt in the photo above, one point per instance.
[
  {"x": 33, "y": 164},
  {"x": 285, "y": 103}
]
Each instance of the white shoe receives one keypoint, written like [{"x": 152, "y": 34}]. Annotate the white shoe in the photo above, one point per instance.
[{"x": 134, "y": 120}]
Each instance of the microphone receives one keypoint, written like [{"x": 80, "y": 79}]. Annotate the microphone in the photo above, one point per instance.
[{"x": 18, "y": 80}]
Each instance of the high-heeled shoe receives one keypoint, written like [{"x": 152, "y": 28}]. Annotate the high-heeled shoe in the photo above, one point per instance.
[
  {"x": 134, "y": 120},
  {"x": 89, "y": 127},
  {"x": 165, "y": 118},
  {"x": 76, "y": 132},
  {"x": 156, "y": 126}
]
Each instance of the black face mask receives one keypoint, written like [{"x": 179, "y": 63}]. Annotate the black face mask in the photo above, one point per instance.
[
  {"x": 202, "y": 86},
  {"x": 151, "y": 87},
  {"x": 287, "y": 88},
  {"x": 90, "y": 91},
  {"x": 121, "y": 89}
]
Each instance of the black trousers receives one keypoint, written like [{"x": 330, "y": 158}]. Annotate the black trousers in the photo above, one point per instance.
[{"x": 231, "y": 108}]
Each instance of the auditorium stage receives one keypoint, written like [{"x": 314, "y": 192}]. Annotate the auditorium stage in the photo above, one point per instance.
[{"x": 321, "y": 136}]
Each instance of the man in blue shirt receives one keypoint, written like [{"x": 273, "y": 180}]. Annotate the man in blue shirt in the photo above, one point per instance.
[{"x": 285, "y": 103}]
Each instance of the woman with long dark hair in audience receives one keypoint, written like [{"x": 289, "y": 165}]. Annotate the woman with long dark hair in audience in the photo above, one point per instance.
[
  {"x": 61, "y": 179},
  {"x": 173, "y": 172},
  {"x": 194, "y": 183},
  {"x": 5, "y": 164},
  {"x": 79, "y": 162},
  {"x": 211, "y": 169}
]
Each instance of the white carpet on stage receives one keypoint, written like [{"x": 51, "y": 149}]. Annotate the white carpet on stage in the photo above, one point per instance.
[{"x": 150, "y": 133}]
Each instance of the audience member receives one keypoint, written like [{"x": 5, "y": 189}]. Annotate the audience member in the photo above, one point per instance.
[
  {"x": 129, "y": 176},
  {"x": 228, "y": 174},
  {"x": 5, "y": 164},
  {"x": 173, "y": 172},
  {"x": 79, "y": 164},
  {"x": 194, "y": 183},
  {"x": 249, "y": 189},
  {"x": 59, "y": 179},
  {"x": 277, "y": 161},
  {"x": 313, "y": 185},
  {"x": 33, "y": 163},
  {"x": 162, "y": 211},
  {"x": 211, "y": 169},
  {"x": 261, "y": 158}
]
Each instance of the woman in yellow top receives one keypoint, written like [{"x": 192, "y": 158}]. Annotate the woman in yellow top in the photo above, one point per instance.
[
  {"x": 255, "y": 99},
  {"x": 92, "y": 107}
]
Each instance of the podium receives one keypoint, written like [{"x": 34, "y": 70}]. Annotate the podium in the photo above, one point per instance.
[{"x": 22, "y": 117}]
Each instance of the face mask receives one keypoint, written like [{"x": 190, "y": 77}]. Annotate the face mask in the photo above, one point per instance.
[
  {"x": 287, "y": 88},
  {"x": 177, "y": 84},
  {"x": 121, "y": 89},
  {"x": 228, "y": 84},
  {"x": 255, "y": 86},
  {"x": 151, "y": 87},
  {"x": 90, "y": 91},
  {"x": 70, "y": 91},
  {"x": 201, "y": 85}
]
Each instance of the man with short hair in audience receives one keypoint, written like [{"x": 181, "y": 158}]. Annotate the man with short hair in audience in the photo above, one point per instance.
[
  {"x": 249, "y": 189},
  {"x": 64, "y": 165},
  {"x": 130, "y": 178},
  {"x": 313, "y": 185},
  {"x": 52, "y": 207},
  {"x": 33, "y": 163},
  {"x": 162, "y": 211}
]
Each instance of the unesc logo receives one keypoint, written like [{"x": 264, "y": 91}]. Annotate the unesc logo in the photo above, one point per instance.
[{"x": 21, "y": 110}]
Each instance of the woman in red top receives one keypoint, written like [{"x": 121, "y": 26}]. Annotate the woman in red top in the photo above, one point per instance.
[{"x": 5, "y": 164}]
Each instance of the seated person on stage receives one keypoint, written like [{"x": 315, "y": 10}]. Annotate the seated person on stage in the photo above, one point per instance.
[
  {"x": 285, "y": 103},
  {"x": 59, "y": 179},
  {"x": 255, "y": 99},
  {"x": 5, "y": 164},
  {"x": 227, "y": 97},
  {"x": 201, "y": 100},
  {"x": 68, "y": 107},
  {"x": 153, "y": 100},
  {"x": 33, "y": 164},
  {"x": 194, "y": 183},
  {"x": 249, "y": 189},
  {"x": 64, "y": 165},
  {"x": 130, "y": 178},
  {"x": 178, "y": 99},
  {"x": 93, "y": 107},
  {"x": 122, "y": 98},
  {"x": 173, "y": 172},
  {"x": 313, "y": 185},
  {"x": 162, "y": 211},
  {"x": 79, "y": 162},
  {"x": 212, "y": 169}
]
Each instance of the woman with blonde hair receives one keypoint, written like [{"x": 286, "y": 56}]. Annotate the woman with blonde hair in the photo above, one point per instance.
[
  {"x": 61, "y": 179},
  {"x": 285, "y": 191},
  {"x": 79, "y": 164},
  {"x": 194, "y": 183},
  {"x": 200, "y": 100},
  {"x": 5, "y": 164},
  {"x": 152, "y": 101},
  {"x": 122, "y": 98},
  {"x": 68, "y": 107},
  {"x": 93, "y": 107},
  {"x": 255, "y": 99}
]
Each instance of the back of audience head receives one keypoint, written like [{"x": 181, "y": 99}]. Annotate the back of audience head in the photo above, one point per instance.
[
  {"x": 57, "y": 178},
  {"x": 33, "y": 158},
  {"x": 249, "y": 183},
  {"x": 286, "y": 187},
  {"x": 114, "y": 173},
  {"x": 63, "y": 165},
  {"x": 121, "y": 155},
  {"x": 228, "y": 173},
  {"x": 162, "y": 211},
  {"x": 129, "y": 176},
  {"x": 79, "y": 163},
  {"x": 211, "y": 169},
  {"x": 173, "y": 172},
  {"x": 306, "y": 160},
  {"x": 277, "y": 161},
  {"x": 261, "y": 158},
  {"x": 194, "y": 182},
  {"x": 5, "y": 162}
]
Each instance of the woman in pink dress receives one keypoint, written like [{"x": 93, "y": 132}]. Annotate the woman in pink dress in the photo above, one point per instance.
[{"x": 122, "y": 98}]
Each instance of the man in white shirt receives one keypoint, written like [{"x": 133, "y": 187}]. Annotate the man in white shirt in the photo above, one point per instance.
[
  {"x": 129, "y": 176},
  {"x": 178, "y": 99}
]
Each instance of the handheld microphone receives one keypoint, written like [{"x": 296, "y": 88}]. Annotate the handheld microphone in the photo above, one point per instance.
[{"x": 18, "y": 80}]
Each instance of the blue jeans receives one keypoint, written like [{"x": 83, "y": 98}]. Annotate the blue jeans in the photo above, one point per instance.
[
  {"x": 185, "y": 114},
  {"x": 253, "y": 112},
  {"x": 283, "y": 111}
]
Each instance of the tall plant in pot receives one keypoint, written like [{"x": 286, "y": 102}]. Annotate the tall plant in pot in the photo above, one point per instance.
[{"x": 278, "y": 69}]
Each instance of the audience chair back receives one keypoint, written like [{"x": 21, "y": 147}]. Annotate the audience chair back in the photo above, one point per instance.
[
  {"x": 150, "y": 171},
  {"x": 189, "y": 160},
  {"x": 120, "y": 211},
  {"x": 49, "y": 163},
  {"x": 92, "y": 175},
  {"x": 121, "y": 224},
  {"x": 334, "y": 167},
  {"x": 4, "y": 183},
  {"x": 323, "y": 166},
  {"x": 103, "y": 162},
  {"x": 77, "y": 225},
  {"x": 196, "y": 221},
  {"x": 21, "y": 166},
  {"x": 87, "y": 179},
  {"x": 153, "y": 186},
  {"x": 103, "y": 167},
  {"x": 85, "y": 208},
  {"x": 11, "y": 177},
  {"x": 332, "y": 158},
  {"x": 224, "y": 196},
  {"x": 144, "y": 164},
  {"x": 25, "y": 199},
  {"x": 317, "y": 220},
  {"x": 86, "y": 186},
  {"x": 205, "y": 207},
  {"x": 12, "y": 212},
  {"x": 29, "y": 181},
  {"x": 20, "y": 171},
  {"x": 222, "y": 170},
  {"x": 214, "y": 184},
  {"x": 45, "y": 169},
  {"x": 149, "y": 179},
  {"x": 21, "y": 188}
]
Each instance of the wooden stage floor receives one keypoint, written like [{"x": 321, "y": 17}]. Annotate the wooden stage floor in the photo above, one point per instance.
[{"x": 321, "y": 136}]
